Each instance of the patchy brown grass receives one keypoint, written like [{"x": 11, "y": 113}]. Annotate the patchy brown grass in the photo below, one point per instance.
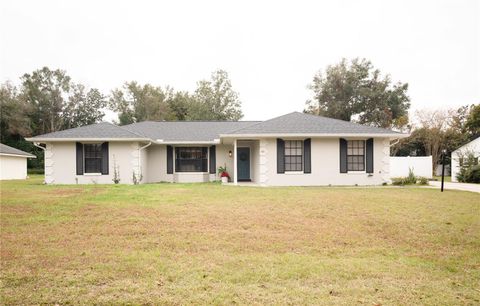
[{"x": 209, "y": 244}]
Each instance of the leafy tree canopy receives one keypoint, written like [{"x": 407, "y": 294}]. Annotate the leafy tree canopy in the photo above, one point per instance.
[
  {"x": 45, "y": 101},
  {"x": 355, "y": 90},
  {"x": 213, "y": 99},
  {"x": 472, "y": 123}
]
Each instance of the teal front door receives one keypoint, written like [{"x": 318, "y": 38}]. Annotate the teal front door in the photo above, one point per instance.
[{"x": 243, "y": 164}]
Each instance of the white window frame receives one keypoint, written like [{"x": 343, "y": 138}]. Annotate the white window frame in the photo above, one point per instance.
[
  {"x": 301, "y": 171},
  {"x": 84, "y": 163},
  {"x": 364, "y": 157}
]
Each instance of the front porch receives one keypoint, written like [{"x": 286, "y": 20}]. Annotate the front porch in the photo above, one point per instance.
[
  {"x": 246, "y": 162},
  {"x": 242, "y": 184}
]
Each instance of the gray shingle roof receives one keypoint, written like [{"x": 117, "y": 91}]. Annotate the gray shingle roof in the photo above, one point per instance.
[
  {"x": 4, "y": 149},
  {"x": 300, "y": 123},
  {"x": 186, "y": 130},
  {"x": 208, "y": 131},
  {"x": 102, "y": 130}
]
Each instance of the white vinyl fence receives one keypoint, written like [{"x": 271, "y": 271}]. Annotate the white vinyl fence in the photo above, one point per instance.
[{"x": 421, "y": 165}]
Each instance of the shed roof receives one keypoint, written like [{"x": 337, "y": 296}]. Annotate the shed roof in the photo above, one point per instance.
[{"x": 7, "y": 150}]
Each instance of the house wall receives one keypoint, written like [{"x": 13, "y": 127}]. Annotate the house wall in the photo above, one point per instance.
[
  {"x": 156, "y": 156},
  {"x": 223, "y": 159},
  {"x": 420, "y": 165},
  {"x": 325, "y": 165},
  {"x": 13, "y": 167},
  {"x": 60, "y": 164},
  {"x": 473, "y": 147},
  {"x": 255, "y": 162},
  {"x": 253, "y": 145},
  {"x": 157, "y": 164}
]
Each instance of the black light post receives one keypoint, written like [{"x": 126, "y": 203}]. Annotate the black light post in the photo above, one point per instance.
[{"x": 444, "y": 152}]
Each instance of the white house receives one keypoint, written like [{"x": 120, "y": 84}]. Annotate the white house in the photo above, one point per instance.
[
  {"x": 13, "y": 163},
  {"x": 457, "y": 155},
  {"x": 294, "y": 149}
]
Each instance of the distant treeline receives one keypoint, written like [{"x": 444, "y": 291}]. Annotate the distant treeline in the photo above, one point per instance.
[
  {"x": 353, "y": 90},
  {"x": 49, "y": 100}
]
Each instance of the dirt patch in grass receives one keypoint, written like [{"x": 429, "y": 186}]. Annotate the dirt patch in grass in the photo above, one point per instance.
[{"x": 64, "y": 192}]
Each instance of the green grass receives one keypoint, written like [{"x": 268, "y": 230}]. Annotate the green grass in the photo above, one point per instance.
[
  {"x": 214, "y": 244},
  {"x": 446, "y": 178}
]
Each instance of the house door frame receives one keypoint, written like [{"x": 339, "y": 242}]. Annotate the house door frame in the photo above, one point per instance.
[{"x": 244, "y": 179}]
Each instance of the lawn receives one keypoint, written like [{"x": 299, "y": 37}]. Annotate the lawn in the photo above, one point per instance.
[
  {"x": 213, "y": 244},
  {"x": 445, "y": 178}
]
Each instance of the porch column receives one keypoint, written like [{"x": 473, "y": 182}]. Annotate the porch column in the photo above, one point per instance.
[{"x": 235, "y": 180}]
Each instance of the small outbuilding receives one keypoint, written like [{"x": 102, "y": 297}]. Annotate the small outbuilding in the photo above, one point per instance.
[
  {"x": 473, "y": 147},
  {"x": 13, "y": 163}
]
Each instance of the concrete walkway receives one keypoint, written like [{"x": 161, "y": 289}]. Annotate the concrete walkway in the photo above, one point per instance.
[{"x": 456, "y": 186}]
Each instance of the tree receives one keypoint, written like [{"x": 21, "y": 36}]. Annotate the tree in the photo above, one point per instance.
[
  {"x": 215, "y": 99},
  {"x": 136, "y": 103},
  {"x": 14, "y": 114},
  {"x": 46, "y": 101},
  {"x": 473, "y": 121},
  {"x": 356, "y": 90},
  {"x": 15, "y": 124},
  {"x": 181, "y": 105},
  {"x": 436, "y": 122},
  {"x": 45, "y": 90},
  {"x": 83, "y": 107},
  {"x": 435, "y": 131}
]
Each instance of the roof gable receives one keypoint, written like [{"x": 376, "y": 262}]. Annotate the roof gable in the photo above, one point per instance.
[
  {"x": 471, "y": 145},
  {"x": 301, "y": 123}
]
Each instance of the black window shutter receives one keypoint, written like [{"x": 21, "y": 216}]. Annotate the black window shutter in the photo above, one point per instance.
[
  {"x": 307, "y": 156},
  {"x": 280, "y": 155},
  {"x": 204, "y": 160},
  {"x": 369, "y": 157},
  {"x": 169, "y": 160},
  {"x": 79, "y": 158},
  {"x": 105, "y": 158},
  {"x": 343, "y": 155},
  {"x": 213, "y": 161}
]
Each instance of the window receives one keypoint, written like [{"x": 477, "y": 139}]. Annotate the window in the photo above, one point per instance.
[
  {"x": 191, "y": 159},
  {"x": 93, "y": 157},
  {"x": 356, "y": 155},
  {"x": 293, "y": 155}
]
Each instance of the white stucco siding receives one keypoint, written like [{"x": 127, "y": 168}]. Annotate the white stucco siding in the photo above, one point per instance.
[
  {"x": 60, "y": 164},
  {"x": 151, "y": 163},
  {"x": 13, "y": 167},
  {"x": 223, "y": 159},
  {"x": 471, "y": 147},
  {"x": 255, "y": 162},
  {"x": 144, "y": 165},
  {"x": 325, "y": 165},
  {"x": 156, "y": 156},
  {"x": 157, "y": 164}
]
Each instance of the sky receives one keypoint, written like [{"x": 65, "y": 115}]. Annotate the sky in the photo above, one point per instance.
[{"x": 271, "y": 49}]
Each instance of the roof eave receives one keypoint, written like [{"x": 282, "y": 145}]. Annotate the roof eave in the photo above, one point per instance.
[
  {"x": 35, "y": 139},
  {"x": 186, "y": 142},
  {"x": 323, "y": 135},
  {"x": 18, "y": 155}
]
